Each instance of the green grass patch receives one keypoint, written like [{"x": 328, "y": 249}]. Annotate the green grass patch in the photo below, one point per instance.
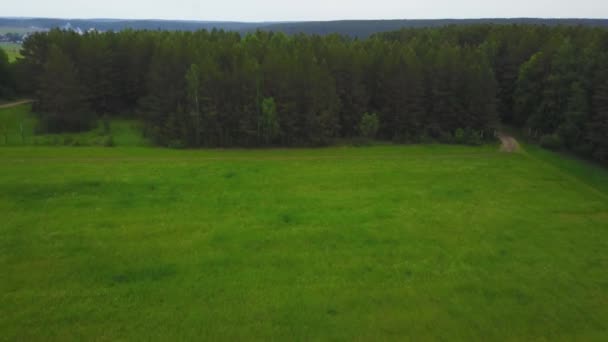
[
  {"x": 20, "y": 30},
  {"x": 12, "y": 50},
  {"x": 588, "y": 172},
  {"x": 378, "y": 243},
  {"x": 18, "y": 128}
]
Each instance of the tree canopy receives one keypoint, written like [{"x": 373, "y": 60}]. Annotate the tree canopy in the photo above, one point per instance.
[{"x": 216, "y": 88}]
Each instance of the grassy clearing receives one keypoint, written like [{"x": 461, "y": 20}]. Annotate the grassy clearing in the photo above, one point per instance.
[
  {"x": 18, "y": 127},
  {"x": 12, "y": 50},
  {"x": 381, "y": 243},
  {"x": 21, "y": 30}
]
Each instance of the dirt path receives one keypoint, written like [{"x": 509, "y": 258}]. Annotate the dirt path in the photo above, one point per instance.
[
  {"x": 509, "y": 144},
  {"x": 15, "y": 104}
]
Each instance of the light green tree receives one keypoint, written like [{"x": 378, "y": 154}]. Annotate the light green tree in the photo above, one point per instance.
[
  {"x": 268, "y": 125},
  {"x": 193, "y": 84},
  {"x": 369, "y": 125}
]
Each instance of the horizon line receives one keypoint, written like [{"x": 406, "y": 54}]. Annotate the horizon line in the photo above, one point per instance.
[{"x": 298, "y": 21}]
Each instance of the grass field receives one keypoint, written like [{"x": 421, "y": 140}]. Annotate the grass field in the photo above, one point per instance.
[
  {"x": 18, "y": 127},
  {"x": 380, "y": 243},
  {"x": 12, "y": 50},
  {"x": 21, "y": 30}
]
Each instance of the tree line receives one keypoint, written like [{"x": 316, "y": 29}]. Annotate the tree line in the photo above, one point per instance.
[
  {"x": 453, "y": 84},
  {"x": 552, "y": 82},
  {"x": 7, "y": 81}
]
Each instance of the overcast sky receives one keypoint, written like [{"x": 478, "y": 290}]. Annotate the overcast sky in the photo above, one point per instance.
[{"x": 283, "y": 10}]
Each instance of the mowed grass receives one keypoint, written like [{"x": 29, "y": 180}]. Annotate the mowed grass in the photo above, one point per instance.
[
  {"x": 18, "y": 126},
  {"x": 379, "y": 243},
  {"x": 12, "y": 50}
]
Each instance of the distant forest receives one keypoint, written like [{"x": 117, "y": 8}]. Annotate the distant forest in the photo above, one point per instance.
[
  {"x": 351, "y": 28},
  {"x": 453, "y": 84}
]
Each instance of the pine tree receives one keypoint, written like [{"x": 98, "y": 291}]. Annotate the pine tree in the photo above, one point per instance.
[
  {"x": 6, "y": 78},
  {"x": 268, "y": 124},
  {"x": 576, "y": 115},
  {"x": 62, "y": 100},
  {"x": 97, "y": 74},
  {"x": 411, "y": 121},
  {"x": 193, "y": 85},
  {"x": 529, "y": 91},
  {"x": 480, "y": 91},
  {"x": 598, "y": 126},
  {"x": 446, "y": 87}
]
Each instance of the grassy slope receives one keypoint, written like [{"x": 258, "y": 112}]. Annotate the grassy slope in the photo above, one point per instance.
[
  {"x": 12, "y": 50},
  {"x": 12, "y": 120},
  {"x": 588, "y": 172},
  {"x": 375, "y": 243}
]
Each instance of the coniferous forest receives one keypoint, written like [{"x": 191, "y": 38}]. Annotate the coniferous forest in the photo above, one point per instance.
[{"x": 456, "y": 84}]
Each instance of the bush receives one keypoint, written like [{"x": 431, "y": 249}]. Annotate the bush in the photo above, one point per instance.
[
  {"x": 105, "y": 122},
  {"x": 473, "y": 137},
  {"x": 369, "y": 126},
  {"x": 425, "y": 138},
  {"x": 109, "y": 142},
  {"x": 460, "y": 136},
  {"x": 468, "y": 137},
  {"x": 551, "y": 141},
  {"x": 446, "y": 137},
  {"x": 584, "y": 149},
  {"x": 360, "y": 142},
  {"x": 176, "y": 144},
  {"x": 52, "y": 123}
]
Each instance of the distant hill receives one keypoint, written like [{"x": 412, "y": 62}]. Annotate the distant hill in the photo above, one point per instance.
[
  {"x": 353, "y": 28},
  {"x": 365, "y": 28},
  {"x": 119, "y": 24}
]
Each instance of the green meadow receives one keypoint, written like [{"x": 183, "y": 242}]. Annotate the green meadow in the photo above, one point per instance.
[
  {"x": 344, "y": 243},
  {"x": 19, "y": 126},
  {"x": 375, "y": 243},
  {"x": 12, "y": 50}
]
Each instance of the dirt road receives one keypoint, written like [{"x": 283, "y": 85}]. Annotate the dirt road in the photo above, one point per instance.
[
  {"x": 509, "y": 144},
  {"x": 14, "y": 104}
]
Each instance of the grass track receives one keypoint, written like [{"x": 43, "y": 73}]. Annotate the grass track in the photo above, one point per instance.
[{"x": 382, "y": 243}]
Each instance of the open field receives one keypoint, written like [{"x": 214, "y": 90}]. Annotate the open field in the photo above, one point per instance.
[
  {"x": 382, "y": 243},
  {"x": 12, "y": 50},
  {"x": 18, "y": 127},
  {"x": 20, "y": 30}
]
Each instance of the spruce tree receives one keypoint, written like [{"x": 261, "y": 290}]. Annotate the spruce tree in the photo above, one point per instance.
[{"x": 62, "y": 103}]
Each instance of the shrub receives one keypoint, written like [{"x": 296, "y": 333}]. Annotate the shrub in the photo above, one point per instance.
[
  {"x": 584, "y": 149},
  {"x": 551, "y": 141},
  {"x": 68, "y": 140},
  {"x": 105, "y": 121},
  {"x": 473, "y": 137},
  {"x": 446, "y": 137},
  {"x": 176, "y": 144},
  {"x": 109, "y": 142},
  {"x": 467, "y": 137},
  {"x": 369, "y": 126},
  {"x": 425, "y": 138},
  {"x": 360, "y": 142},
  {"x": 460, "y": 136}
]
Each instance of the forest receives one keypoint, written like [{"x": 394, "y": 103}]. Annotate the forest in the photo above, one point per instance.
[
  {"x": 351, "y": 28},
  {"x": 7, "y": 81},
  {"x": 454, "y": 84}
]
